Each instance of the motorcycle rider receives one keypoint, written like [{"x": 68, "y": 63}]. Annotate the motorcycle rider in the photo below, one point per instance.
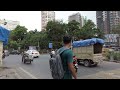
[{"x": 52, "y": 53}]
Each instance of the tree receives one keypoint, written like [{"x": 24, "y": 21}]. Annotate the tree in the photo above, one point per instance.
[
  {"x": 16, "y": 37},
  {"x": 89, "y": 30},
  {"x": 73, "y": 28},
  {"x": 55, "y": 31},
  {"x": 18, "y": 34},
  {"x": 13, "y": 45}
]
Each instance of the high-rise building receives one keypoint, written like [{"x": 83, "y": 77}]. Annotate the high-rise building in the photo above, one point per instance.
[
  {"x": 83, "y": 23},
  {"x": 9, "y": 24},
  {"x": 99, "y": 18},
  {"x": 76, "y": 17},
  {"x": 84, "y": 20},
  {"x": 45, "y": 17},
  {"x": 107, "y": 20},
  {"x": 114, "y": 19}
]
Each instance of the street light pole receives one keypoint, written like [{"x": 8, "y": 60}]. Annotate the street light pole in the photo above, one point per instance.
[{"x": 38, "y": 46}]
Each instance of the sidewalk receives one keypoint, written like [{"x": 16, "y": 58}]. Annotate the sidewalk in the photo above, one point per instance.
[{"x": 8, "y": 73}]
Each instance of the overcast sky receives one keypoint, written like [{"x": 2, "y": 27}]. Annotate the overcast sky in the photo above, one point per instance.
[{"x": 32, "y": 19}]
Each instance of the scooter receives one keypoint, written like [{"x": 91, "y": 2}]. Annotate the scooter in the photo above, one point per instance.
[{"x": 75, "y": 63}]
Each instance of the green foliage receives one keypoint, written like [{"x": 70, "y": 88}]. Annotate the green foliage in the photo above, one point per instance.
[
  {"x": 89, "y": 31},
  {"x": 73, "y": 27},
  {"x": 116, "y": 55},
  {"x": 54, "y": 32}
]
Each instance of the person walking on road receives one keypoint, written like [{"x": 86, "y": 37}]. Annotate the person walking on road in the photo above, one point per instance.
[{"x": 67, "y": 59}]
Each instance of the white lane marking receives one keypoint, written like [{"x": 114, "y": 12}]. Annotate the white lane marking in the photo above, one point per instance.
[
  {"x": 28, "y": 73},
  {"x": 19, "y": 77}
]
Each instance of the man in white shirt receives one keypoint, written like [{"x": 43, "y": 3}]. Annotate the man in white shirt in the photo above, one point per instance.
[{"x": 52, "y": 53}]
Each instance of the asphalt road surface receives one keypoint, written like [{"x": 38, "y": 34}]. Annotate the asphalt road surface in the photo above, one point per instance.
[{"x": 39, "y": 69}]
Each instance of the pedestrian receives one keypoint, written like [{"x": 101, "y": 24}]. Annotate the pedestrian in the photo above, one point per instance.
[
  {"x": 52, "y": 53},
  {"x": 67, "y": 59}
]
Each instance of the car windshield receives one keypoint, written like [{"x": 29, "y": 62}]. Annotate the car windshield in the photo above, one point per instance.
[
  {"x": 34, "y": 51},
  {"x": 28, "y": 51}
]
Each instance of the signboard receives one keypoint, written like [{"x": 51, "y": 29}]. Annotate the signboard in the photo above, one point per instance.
[
  {"x": 50, "y": 45},
  {"x": 111, "y": 37}
]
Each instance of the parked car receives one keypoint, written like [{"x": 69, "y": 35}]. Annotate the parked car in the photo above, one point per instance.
[
  {"x": 34, "y": 53},
  {"x": 6, "y": 52},
  {"x": 15, "y": 52}
]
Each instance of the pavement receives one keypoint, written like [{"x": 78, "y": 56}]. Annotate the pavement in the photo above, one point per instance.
[
  {"x": 8, "y": 73},
  {"x": 39, "y": 69}
]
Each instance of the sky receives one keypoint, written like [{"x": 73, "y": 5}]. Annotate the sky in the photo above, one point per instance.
[{"x": 32, "y": 19}]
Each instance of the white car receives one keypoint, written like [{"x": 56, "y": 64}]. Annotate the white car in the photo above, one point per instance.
[{"x": 34, "y": 53}]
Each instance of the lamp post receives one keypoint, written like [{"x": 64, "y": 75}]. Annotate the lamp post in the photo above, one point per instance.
[
  {"x": 25, "y": 41},
  {"x": 38, "y": 46}
]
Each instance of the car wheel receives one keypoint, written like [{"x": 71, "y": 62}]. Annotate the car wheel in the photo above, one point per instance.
[
  {"x": 24, "y": 61},
  {"x": 86, "y": 63},
  {"x": 95, "y": 65}
]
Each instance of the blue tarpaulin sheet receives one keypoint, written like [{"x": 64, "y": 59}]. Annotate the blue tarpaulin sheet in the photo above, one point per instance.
[
  {"x": 4, "y": 35},
  {"x": 87, "y": 42}
]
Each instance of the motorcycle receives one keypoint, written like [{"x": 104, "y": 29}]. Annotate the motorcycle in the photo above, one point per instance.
[
  {"x": 75, "y": 63},
  {"x": 52, "y": 54},
  {"x": 3, "y": 55}
]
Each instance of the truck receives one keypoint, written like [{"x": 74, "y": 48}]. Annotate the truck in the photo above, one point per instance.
[{"x": 89, "y": 52}]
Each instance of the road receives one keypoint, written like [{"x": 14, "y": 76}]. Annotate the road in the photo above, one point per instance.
[
  {"x": 102, "y": 71},
  {"x": 39, "y": 69}
]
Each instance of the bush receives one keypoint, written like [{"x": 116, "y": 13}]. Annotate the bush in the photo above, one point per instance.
[
  {"x": 116, "y": 55},
  {"x": 108, "y": 55},
  {"x": 119, "y": 56}
]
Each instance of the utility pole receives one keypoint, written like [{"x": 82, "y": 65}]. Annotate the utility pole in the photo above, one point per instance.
[
  {"x": 38, "y": 46},
  {"x": 1, "y": 53}
]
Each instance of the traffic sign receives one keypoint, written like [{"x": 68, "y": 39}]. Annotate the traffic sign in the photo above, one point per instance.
[{"x": 50, "y": 45}]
